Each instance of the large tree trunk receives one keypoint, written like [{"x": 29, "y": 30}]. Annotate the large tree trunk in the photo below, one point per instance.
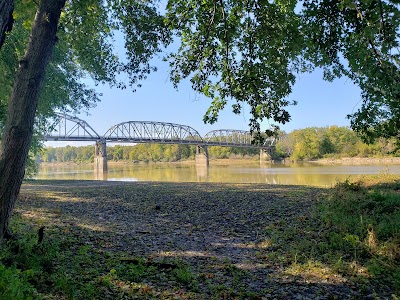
[
  {"x": 22, "y": 107},
  {"x": 6, "y": 19}
]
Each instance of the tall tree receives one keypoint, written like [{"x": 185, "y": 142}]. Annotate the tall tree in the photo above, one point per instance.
[
  {"x": 62, "y": 88},
  {"x": 85, "y": 49},
  {"x": 22, "y": 106},
  {"x": 85, "y": 31}
]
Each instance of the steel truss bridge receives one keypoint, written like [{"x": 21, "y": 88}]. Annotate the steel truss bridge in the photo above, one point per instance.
[{"x": 70, "y": 128}]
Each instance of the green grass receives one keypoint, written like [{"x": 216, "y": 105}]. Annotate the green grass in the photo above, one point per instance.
[
  {"x": 25, "y": 265},
  {"x": 354, "y": 233},
  {"x": 363, "y": 225},
  {"x": 66, "y": 268}
]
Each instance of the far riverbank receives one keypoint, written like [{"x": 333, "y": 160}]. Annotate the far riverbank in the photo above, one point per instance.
[
  {"x": 352, "y": 161},
  {"x": 345, "y": 161}
]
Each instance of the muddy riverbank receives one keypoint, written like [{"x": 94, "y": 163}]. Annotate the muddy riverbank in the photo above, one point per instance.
[{"x": 236, "y": 241}]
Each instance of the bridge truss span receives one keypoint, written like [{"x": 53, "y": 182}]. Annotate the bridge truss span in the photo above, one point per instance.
[
  {"x": 70, "y": 128},
  {"x": 153, "y": 132},
  {"x": 235, "y": 138},
  {"x": 228, "y": 137}
]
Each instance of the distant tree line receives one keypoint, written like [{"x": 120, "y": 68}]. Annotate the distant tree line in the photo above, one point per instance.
[
  {"x": 304, "y": 144},
  {"x": 140, "y": 153},
  {"x": 331, "y": 142}
]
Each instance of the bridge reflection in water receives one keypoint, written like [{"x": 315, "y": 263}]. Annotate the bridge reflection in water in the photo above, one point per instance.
[{"x": 70, "y": 128}]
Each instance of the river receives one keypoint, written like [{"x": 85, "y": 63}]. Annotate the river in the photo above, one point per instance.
[{"x": 250, "y": 172}]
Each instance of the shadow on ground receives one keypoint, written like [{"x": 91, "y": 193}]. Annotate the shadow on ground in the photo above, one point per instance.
[{"x": 235, "y": 241}]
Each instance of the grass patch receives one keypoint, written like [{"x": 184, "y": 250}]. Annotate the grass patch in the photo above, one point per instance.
[
  {"x": 364, "y": 227},
  {"x": 65, "y": 268},
  {"x": 351, "y": 235},
  {"x": 354, "y": 233}
]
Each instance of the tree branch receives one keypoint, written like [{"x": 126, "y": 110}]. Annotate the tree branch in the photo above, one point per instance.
[
  {"x": 207, "y": 35},
  {"x": 382, "y": 19},
  {"x": 370, "y": 42},
  {"x": 226, "y": 47}
]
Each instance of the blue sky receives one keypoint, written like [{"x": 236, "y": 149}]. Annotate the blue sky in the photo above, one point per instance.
[{"x": 320, "y": 103}]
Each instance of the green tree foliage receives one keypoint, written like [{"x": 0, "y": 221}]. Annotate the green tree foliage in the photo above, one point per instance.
[
  {"x": 86, "y": 29},
  {"x": 307, "y": 144},
  {"x": 85, "y": 50},
  {"x": 318, "y": 142},
  {"x": 232, "y": 152},
  {"x": 67, "y": 154},
  {"x": 62, "y": 88},
  {"x": 139, "y": 153},
  {"x": 241, "y": 50},
  {"x": 359, "y": 40},
  {"x": 250, "y": 51}
]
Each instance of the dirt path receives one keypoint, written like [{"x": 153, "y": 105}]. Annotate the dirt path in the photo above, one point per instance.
[{"x": 235, "y": 236}]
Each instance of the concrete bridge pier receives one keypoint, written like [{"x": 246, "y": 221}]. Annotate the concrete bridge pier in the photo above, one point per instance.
[
  {"x": 202, "y": 156},
  {"x": 265, "y": 155},
  {"x": 202, "y": 173},
  {"x": 100, "y": 158}
]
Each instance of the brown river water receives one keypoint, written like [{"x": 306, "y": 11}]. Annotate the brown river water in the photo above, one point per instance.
[{"x": 251, "y": 172}]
